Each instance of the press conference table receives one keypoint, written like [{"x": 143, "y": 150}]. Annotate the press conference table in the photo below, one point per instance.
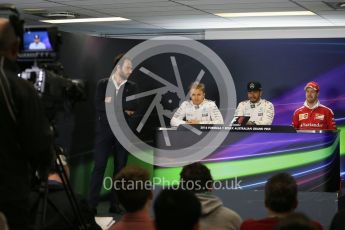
[{"x": 251, "y": 154}]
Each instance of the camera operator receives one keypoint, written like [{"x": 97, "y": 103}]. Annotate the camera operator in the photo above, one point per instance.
[
  {"x": 25, "y": 135},
  {"x": 59, "y": 211}
]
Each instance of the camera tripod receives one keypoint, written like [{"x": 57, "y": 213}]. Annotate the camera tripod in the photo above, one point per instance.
[{"x": 43, "y": 200}]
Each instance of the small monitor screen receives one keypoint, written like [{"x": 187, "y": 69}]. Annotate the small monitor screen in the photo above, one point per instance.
[{"x": 37, "y": 41}]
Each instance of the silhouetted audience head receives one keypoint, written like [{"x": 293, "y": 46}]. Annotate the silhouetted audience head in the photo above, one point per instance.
[
  {"x": 281, "y": 193},
  {"x": 295, "y": 221},
  {"x": 177, "y": 209},
  {"x": 196, "y": 177},
  {"x": 9, "y": 43},
  {"x": 338, "y": 222},
  {"x": 3, "y": 222},
  {"x": 133, "y": 187}
]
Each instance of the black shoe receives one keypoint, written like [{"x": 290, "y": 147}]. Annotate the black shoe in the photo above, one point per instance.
[{"x": 117, "y": 209}]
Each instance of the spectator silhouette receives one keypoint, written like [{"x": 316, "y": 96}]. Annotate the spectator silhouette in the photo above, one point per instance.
[
  {"x": 135, "y": 195},
  {"x": 214, "y": 214},
  {"x": 177, "y": 209},
  {"x": 280, "y": 201}
]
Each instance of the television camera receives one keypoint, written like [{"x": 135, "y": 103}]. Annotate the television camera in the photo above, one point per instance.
[
  {"x": 39, "y": 50},
  {"x": 40, "y": 47}
]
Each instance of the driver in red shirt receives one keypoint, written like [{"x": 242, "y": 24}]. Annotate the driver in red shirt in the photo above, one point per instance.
[{"x": 313, "y": 115}]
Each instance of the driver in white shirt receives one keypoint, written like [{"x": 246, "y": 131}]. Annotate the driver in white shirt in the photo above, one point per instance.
[
  {"x": 37, "y": 44},
  {"x": 260, "y": 111},
  {"x": 198, "y": 110}
]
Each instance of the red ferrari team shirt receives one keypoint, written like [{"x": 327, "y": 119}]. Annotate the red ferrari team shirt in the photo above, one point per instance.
[{"x": 319, "y": 117}]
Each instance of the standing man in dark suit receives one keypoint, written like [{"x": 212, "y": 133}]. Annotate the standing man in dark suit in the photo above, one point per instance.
[{"x": 106, "y": 142}]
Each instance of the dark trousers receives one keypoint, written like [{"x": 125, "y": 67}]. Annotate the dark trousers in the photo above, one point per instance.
[
  {"x": 106, "y": 144},
  {"x": 16, "y": 213}
]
